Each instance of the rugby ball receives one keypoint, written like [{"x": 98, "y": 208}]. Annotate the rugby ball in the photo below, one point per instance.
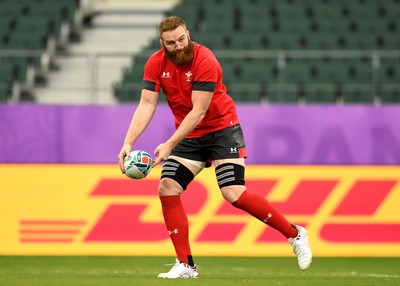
[{"x": 138, "y": 164}]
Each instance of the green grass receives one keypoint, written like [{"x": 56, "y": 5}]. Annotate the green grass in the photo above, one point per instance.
[{"x": 214, "y": 271}]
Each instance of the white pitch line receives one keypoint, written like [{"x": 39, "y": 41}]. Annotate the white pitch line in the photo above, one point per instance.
[
  {"x": 375, "y": 275},
  {"x": 383, "y": 275}
]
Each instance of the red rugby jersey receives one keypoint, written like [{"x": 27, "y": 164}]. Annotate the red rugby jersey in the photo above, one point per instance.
[{"x": 204, "y": 73}]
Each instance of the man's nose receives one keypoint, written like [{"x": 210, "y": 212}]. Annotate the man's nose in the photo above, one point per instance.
[{"x": 178, "y": 46}]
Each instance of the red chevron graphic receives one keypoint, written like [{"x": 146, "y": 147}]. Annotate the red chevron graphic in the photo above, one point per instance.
[
  {"x": 50, "y": 231},
  {"x": 123, "y": 223},
  {"x": 363, "y": 199}
]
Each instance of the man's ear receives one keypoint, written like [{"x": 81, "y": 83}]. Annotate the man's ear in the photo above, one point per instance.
[{"x": 161, "y": 43}]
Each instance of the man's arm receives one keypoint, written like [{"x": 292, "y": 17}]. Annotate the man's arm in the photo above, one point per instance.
[
  {"x": 140, "y": 120},
  {"x": 201, "y": 101}
]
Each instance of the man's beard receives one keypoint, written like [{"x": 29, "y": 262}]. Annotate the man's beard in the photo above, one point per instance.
[{"x": 183, "y": 56}]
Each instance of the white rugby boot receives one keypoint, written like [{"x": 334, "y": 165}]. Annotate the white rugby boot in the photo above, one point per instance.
[
  {"x": 301, "y": 248},
  {"x": 180, "y": 270}
]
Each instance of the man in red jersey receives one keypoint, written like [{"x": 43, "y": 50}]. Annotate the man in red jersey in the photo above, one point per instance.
[{"x": 207, "y": 129}]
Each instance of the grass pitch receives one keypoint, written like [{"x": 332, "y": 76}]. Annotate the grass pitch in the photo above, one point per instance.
[{"x": 214, "y": 271}]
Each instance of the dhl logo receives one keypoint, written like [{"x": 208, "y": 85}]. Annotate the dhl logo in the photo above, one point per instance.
[
  {"x": 340, "y": 206},
  {"x": 122, "y": 222}
]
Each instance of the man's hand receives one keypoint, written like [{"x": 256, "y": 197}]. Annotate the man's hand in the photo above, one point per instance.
[
  {"x": 162, "y": 153},
  {"x": 126, "y": 149}
]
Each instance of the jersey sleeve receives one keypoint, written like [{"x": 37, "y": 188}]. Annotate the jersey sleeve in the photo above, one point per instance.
[
  {"x": 151, "y": 80},
  {"x": 206, "y": 73}
]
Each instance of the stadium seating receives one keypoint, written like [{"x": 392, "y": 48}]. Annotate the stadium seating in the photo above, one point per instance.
[
  {"x": 30, "y": 30},
  {"x": 7, "y": 75},
  {"x": 320, "y": 51},
  {"x": 344, "y": 34},
  {"x": 389, "y": 75}
]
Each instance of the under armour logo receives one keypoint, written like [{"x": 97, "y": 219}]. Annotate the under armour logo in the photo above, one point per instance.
[
  {"x": 233, "y": 150},
  {"x": 166, "y": 75},
  {"x": 175, "y": 231},
  {"x": 268, "y": 217}
]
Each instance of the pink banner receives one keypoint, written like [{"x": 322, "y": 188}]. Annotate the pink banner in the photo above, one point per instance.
[{"x": 341, "y": 135}]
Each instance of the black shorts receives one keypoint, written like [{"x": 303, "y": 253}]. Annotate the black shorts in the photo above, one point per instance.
[{"x": 226, "y": 143}]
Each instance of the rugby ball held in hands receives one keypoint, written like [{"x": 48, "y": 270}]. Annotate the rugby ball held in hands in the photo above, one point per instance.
[{"x": 138, "y": 164}]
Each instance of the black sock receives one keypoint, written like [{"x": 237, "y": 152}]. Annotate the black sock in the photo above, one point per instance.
[{"x": 190, "y": 259}]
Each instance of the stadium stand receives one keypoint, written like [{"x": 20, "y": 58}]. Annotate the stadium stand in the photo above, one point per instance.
[
  {"x": 275, "y": 51},
  {"x": 30, "y": 32},
  {"x": 294, "y": 51}
]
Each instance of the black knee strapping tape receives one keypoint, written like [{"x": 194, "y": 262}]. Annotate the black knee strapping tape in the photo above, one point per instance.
[
  {"x": 229, "y": 174},
  {"x": 174, "y": 170}
]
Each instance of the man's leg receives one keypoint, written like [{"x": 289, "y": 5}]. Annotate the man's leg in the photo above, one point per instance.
[
  {"x": 174, "y": 179},
  {"x": 177, "y": 226},
  {"x": 261, "y": 209},
  {"x": 230, "y": 177}
]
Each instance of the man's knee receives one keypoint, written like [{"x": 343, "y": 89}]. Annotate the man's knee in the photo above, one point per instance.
[
  {"x": 232, "y": 193},
  {"x": 229, "y": 174},
  {"x": 175, "y": 178},
  {"x": 169, "y": 187},
  {"x": 230, "y": 178}
]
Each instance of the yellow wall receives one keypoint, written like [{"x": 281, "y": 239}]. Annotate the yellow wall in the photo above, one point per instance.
[{"x": 95, "y": 210}]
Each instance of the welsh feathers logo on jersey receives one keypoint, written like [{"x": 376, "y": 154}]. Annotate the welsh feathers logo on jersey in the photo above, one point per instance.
[{"x": 188, "y": 76}]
